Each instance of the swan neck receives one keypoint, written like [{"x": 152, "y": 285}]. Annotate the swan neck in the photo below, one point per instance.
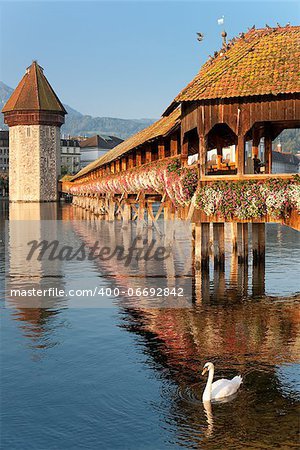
[{"x": 207, "y": 391}]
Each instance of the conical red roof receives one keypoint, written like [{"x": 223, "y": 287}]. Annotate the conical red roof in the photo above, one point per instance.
[{"x": 34, "y": 93}]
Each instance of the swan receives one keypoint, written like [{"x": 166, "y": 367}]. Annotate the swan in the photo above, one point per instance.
[{"x": 220, "y": 388}]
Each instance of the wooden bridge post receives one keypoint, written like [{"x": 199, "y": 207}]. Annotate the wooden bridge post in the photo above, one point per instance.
[
  {"x": 111, "y": 210},
  {"x": 167, "y": 214},
  {"x": 174, "y": 145},
  {"x": 148, "y": 153},
  {"x": 219, "y": 244},
  {"x": 202, "y": 154},
  {"x": 169, "y": 222},
  {"x": 138, "y": 157},
  {"x": 255, "y": 144},
  {"x": 161, "y": 149},
  {"x": 202, "y": 246},
  {"x": 234, "y": 236},
  {"x": 184, "y": 151},
  {"x": 241, "y": 155},
  {"x": 258, "y": 242},
  {"x": 268, "y": 150},
  {"x": 141, "y": 213},
  {"x": 149, "y": 214},
  {"x": 96, "y": 207},
  {"x": 126, "y": 213},
  {"x": 123, "y": 163},
  {"x": 242, "y": 243},
  {"x": 91, "y": 206},
  {"x": 102, "y": 206}
]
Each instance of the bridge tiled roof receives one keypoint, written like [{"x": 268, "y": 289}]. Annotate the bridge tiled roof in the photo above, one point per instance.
[
  {"x": 260, "y": 62},
  {"x": 34, "y": 93},
  {"x": 160, "y": 128}
]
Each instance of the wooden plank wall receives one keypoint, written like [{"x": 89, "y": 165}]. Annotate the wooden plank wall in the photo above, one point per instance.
[{"x": 240, "y": 114}]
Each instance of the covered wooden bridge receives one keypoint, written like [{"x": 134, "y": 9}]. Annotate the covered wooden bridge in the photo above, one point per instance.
[{"x": 209, "y": 158}]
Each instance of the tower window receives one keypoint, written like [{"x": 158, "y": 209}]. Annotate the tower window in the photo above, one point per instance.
[{"x": 28, "y": 132}]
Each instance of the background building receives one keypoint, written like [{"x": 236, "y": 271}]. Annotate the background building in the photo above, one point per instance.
[
  {"x": 94, "y": 147},
  {"x": 70, "y": 156},
  {"x": 4, "y": 151}
]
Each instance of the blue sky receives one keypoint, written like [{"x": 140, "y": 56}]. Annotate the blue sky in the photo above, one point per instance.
[{"x": 123, "y": 59}]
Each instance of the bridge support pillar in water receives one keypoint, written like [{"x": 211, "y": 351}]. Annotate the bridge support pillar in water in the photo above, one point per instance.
[
  {"x": 242, "y": 243},
  {"x": 234, "y": 236},
  {"x": 258, "y": 243},
  {"x": 149, "y": 213},
  {"x": 219, "y": 244},
  {"x": 201, "y": 246},
  {"x": 258, "y": 250},
  {"x": 141, "y": 214},
  {"x": 126, "y": 216},
  {"x": 111, "y": 210}
]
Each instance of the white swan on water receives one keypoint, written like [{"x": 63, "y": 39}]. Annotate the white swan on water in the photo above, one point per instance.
[{"x": 220, "y": 388}]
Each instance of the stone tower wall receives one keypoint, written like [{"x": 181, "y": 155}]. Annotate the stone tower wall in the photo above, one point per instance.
[{"x": 34, "y": 162}]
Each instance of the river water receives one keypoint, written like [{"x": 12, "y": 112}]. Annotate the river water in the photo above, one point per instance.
[{"x": 128, "y": 377}]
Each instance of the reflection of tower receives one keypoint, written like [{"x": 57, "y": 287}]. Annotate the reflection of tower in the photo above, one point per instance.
[
  {"x": 37, "y": 316},
  {"x": 34, "y": 115}
]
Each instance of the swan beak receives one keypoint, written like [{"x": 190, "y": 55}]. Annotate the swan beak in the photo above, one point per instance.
[{"x": 204, "y": 371}]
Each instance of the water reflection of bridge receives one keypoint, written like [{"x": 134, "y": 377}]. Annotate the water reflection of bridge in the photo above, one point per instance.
[
  {"x": 193, "y": 331},
  {"x": 240, "y": 334},
  {"x": 232, "y": 288}
]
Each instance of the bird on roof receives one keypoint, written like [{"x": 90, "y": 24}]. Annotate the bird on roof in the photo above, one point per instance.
[
  {"x": 268, "y": 26},
  {"x": 288, "y": 24},
  {"x": 278, "y": 24}
]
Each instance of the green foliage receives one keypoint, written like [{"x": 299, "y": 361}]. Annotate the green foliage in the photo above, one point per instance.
[
  {"x": 174, "y": 166},
  {"x": 190, "y": 180}
]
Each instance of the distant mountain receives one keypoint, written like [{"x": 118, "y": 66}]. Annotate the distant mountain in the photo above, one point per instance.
[
  {"x": 87, "y": 125},
  {"x": 79, "y": 124},
  {"x": 5, "y": 93},
  {"x": 72, "y": 112}
]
